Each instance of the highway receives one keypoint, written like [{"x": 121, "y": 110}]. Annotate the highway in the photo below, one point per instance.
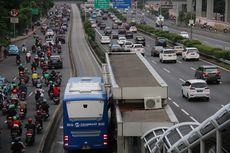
[
  {"x": 175, "y": 75},
  {"x": 9, "y": 70},
  {"x": 218, "y": 40}
]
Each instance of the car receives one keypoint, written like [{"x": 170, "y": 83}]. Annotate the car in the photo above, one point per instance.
[
  {"x": 104, "y": 17},
  {"x": 168, "y": 54},
  {"x": 190, "y": 53},
  {"x": 195, "y": 88},
  {"x": 209, "y": 73},
  {"x": 140, "y": 40},
  {"x": 102, "y": 26},
  {"x": 133, "y": 29},
  {"x": 121, "y": 31},
  {"x": 165, "y": 28},
  {"x": 13, "y": 50},
  {"x": 179, "y": 49},
  {"x": 49, "y": 32},
  {"x": 60, "y": 38},
  {"x": 127, "y": 45},
  {"x": 105, "y": 40},
  {"x": 121, "y": 40},
  {"x": 155, "y": 51},
  {"x": 161, "y": 41},
  {"x": 55, "y": 61},
  {"x": 116, "y": 48},
  {"x": 184, "y": 34},
  {"x": 114, "y": 26},
  {"x": 114, "y": 35},
  {"x": 138, "y": 48},
  {"x": 93, "y": 25},
  {"x": 129, "y": 35},
  {"x": 107, "y": 31}
]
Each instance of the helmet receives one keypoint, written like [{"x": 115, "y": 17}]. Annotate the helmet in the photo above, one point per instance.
[
  {"x": 14, "y": 117},
  {"x": 11, "y": 106},
  {"x": 44, "y": 100},
  {"x": 20, "y": 64},
  {"x": 30, "y": 120}
]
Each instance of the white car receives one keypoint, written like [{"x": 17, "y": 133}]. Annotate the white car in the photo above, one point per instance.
[
  {"x": 133, "y": 29},
  {"x": 179, "y": 49},
  {"x": 165, "y": 28},
  {"x": 190, "y": 53},
  {"x": 184, "y": 34},
  {"x": 105, "y": 40},
  {"x": 121, "y": 40},
  {"x": 49, "y": 32},
  {"x": 195, "y": 88},
  {"x": 138, "y": 48},
  {"x": 93, "y": 25},
  {"x": 168, "y": 55},
  {"x": 127, "y": 46}
]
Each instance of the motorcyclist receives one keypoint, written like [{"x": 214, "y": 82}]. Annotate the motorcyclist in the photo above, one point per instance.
[
  {"x": 45, "y": 106},
  {"x": 22, "y": 87},
  {"x": 21, "y": 68},
  {"x": 52, "y": 75},
  {"x": 17, "y": 145},
  {"x": 24, "y": 48},
  {"x": 18, "y": 59},
  {"x": 38, "y": 118},
  {"x": 51, "y": 85},
  {"x": 39, "y": 92},
  {"x": 28, "y": 56},
  {"x": 36, "y": 60},
  {"x": 31, "y": 126},
  {"x": 17, "y": 122},
  {"x": 34, "y": 75},
  {"x": 23, "y": 105},
  {"x": 56, "y": 90},
  {"x": 33, "y": 66},
  {"x": 11, "y": 111}
]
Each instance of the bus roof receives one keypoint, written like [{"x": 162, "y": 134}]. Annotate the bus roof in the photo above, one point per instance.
[{"x": 84, "y": 88}]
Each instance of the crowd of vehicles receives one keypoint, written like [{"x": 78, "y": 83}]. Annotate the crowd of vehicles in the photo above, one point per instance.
[{"x": 36, "y": 72}]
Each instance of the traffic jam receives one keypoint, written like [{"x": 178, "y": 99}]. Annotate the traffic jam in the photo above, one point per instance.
[{"x": 36, "y": 82}]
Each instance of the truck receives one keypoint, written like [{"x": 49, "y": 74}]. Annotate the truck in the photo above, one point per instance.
[{"x": 139, "y": 96}]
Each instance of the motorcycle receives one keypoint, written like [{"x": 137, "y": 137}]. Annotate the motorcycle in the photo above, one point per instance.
[
  {"x": 34, "y": 82},
  {"x": 22, "y": 113},
  {"x": 56, "y": 100},
  {"x": 24, "y": 49},
  {"x": 18, "y": 61},
  {"x": 14, "y": 101},
  {"x": 45, "y": 115},
  {"x": 15, "y": 132},
  {"x": 22, "y": 96},
  {"x": 5, "y": 107},
  {"x": 15, "y": 147},
  {"x": 29, "y": 137},
  {"x": 59, "y": 50},
  {"x": 51, "y": 95},
  {"x": 38, "y": 126},
  {"x": 28, "y": 57},
  {"x": 46, "y": 81},
  {"x": 9, "y": 122}
]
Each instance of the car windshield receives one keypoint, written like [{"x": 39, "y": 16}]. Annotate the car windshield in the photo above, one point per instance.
[
  {"x": 138, "y": 46},
  {"x": 140, "y": 38},
  {"x": 199, "y": 85},
  {"x": 115, "y": 46},
  {"x": 55, "y": 58},
  {"x": 128, "y": 43},
  {"x": 192, "y": 50}
]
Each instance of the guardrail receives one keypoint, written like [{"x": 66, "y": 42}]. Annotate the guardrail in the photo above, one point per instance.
[{"x": 203, "y": 54}]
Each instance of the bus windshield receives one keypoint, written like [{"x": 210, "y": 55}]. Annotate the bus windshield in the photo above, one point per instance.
[{"x": 85, "y": 110}]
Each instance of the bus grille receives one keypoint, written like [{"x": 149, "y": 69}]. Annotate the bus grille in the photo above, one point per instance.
[{"x": 85, "y": 133}]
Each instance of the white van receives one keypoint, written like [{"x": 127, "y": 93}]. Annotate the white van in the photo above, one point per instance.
[
  {"x": 190, "y": 53},
  {"x": 168, "y": 55}
]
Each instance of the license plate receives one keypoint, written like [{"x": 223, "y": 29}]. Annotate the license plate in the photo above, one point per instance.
[
  {"x": 86, "y": 148},
  {"x": 199, "y": 90}
]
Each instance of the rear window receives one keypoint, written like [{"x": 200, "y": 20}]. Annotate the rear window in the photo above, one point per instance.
[
  {"x": 169, "y": 52},
  {"x": 192, "y": 50},
  {"x": 199, "y": 85},
  {"x": 211, "y": 70},
  {"x": 128, "y": 43}
]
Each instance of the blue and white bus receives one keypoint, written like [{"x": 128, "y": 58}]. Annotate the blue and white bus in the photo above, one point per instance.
[{"x": 85, "y": 114}]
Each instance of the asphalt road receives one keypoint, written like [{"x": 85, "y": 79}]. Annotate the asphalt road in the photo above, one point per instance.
[
  {"x": 85, "y": 63},
  {"x": 9, "y": 70},
  {"x": 175, "y": 75},
  {"x": 218, "y": 40}
]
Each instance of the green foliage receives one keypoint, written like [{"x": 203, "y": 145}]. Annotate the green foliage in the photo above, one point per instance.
[
  {"x": 89, "y": 30},
  {"x": 118, "y": 14}
]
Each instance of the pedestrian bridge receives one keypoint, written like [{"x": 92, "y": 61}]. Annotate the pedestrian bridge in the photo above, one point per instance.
[{"x": 210, "y": 136}]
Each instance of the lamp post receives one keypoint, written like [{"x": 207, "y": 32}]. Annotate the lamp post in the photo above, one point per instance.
[{"x": 191, "y": 21}]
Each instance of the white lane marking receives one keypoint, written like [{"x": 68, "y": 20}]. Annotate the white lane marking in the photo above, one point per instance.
[
  {"x": 166, "y": 70},
  {"x": 60, "y": 142},
  {"x": 169, "y": 98},
  {"x": 181, "y": 80},
  {"x": 60, "y": 127},
  {"x": 30, "y": 93},
  {"x": 15, "y": 78},
  {"x": 176, "y": 104},
  {"x": 153, "y": 62},
  {"x": 98, "y": 32},
  {"x": 179, "y": 62},
  {"x": 185, "y": 112},
  {"x": 194, "y": 119},
  {"x": 192, "y": 68},
  {"x": 215, "y": 65}
]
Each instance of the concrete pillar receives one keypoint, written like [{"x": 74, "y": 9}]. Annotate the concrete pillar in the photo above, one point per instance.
[
  {"x": 210, "y": 9},
  {"x": 227, "y": 10},
  {"x": 202, "y": 146},
  {"x": 120, "y": 144},
  {"x": 178, "y": 9},
  {"x": 189, "y": 6},
  {"x": 198, "y": 8},
  {"x": 189, "y": 150},
  {"x": 142, "y": 146},
  {"x": 218, "y": 141}
]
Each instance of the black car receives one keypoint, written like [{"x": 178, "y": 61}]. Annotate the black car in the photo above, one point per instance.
[
  {"x": 161, "y": 41},
  {"x": 140, "y": 40},
  {"x": 102, "y": 26},
  {"x": 129, "y": 35},
  {"x": 209, "y": 73},
  {"x": 60, "y": 38},
  {"x": 121, "y": 31},
  {"x": 55, "y": 61},
  {"x": 114, "y": 35},
  {"x": 107, "y": 31}
]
